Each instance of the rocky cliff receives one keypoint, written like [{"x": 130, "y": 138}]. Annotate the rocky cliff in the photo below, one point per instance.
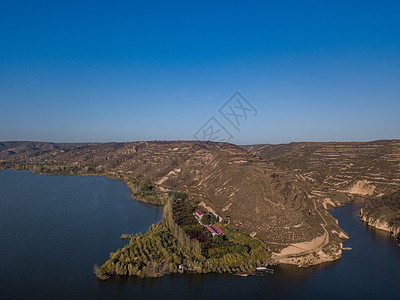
[{"x": 383, "y": 213}]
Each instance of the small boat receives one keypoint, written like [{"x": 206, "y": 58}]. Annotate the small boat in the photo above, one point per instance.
[
  {"x": 300, "y": 266},
  {"x": 261, "y": 268},
  {"x": 243, "y": 274},
  {"x": 270, "y": 271}
]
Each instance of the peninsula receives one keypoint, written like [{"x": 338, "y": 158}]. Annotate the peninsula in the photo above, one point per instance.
[{"x": 271, "y": 201}]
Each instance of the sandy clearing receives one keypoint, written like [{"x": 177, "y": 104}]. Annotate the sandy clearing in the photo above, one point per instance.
[
  {"x": 303, "y": 248},
  {"x": 227, "y": 207},
  {"x": 165, "y": 178},
  {"x": 208, "y": 208},
  {"x": 327, "y": 201},
  {"x": 362, "y": 187}
]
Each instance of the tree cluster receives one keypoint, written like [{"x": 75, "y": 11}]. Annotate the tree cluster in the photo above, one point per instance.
[{"x": 168, "y": 246}]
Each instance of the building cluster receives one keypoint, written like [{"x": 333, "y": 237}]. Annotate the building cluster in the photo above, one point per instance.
[{"x": 213, "y": 229}]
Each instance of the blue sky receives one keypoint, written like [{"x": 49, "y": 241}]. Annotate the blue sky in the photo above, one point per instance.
[{"x": 127, "y": 71}]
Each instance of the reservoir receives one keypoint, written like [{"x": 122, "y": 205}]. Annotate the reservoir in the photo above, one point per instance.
[{"x": 55, "y": 229}]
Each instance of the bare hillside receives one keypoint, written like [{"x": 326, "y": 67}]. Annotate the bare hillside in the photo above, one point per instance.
[{"x": 258, "y": 196}]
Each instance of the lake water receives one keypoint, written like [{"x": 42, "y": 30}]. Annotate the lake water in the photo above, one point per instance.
[{"x": 54, "y": 229}]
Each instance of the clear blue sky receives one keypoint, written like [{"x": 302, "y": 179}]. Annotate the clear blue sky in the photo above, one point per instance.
[{"x": 75, "y": 71}]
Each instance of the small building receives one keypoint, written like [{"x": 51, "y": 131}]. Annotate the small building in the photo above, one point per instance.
[
  {"x": 181, "y": 269},
  {"x": 199, "y": 213},
  {"x": 218, "y": 230},
  {"x": 210, "y": 229}
]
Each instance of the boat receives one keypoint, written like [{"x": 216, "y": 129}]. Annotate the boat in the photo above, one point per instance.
[
  {"x": 269, "y": 270},
  {"x": 264, "y": 270},
  {"x": 243, "y": 274}
]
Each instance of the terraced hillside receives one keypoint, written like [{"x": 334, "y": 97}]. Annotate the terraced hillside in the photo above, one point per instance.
[
  {"x": 340, "y": 172},
  {"x": 257, "y": 196},
  {"x": 337, "y": 172}
]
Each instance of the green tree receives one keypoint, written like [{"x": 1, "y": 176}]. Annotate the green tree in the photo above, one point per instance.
[
  {"x": 205, "y": 219},
  {"x": 213, "y": 219}
]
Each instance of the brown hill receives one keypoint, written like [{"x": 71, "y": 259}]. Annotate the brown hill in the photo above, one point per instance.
[
  {"x": 341, "y": 172},
  {"x": 259, "y": 197},
  {"x": 338, "y": 171}
]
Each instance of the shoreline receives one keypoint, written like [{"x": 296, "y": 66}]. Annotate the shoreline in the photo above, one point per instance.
[
  {"x": 297, "y": 254},
  {"x": 312, "y": 253},
  {"x": 294, "y": 254},
  {"x": 110, "y": 176},
  {"x": 379, "y": 224},
  {"x": 195, "y": 262}
]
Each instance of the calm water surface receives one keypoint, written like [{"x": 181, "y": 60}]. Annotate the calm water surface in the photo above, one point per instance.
[{"x": 54, "y": 229}]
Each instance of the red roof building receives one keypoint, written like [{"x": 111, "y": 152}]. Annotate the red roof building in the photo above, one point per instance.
[
  {"x": 218, "y": 230},
  {"x": 210, "y": 229},
  {"x": 199, "y": 212}
]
